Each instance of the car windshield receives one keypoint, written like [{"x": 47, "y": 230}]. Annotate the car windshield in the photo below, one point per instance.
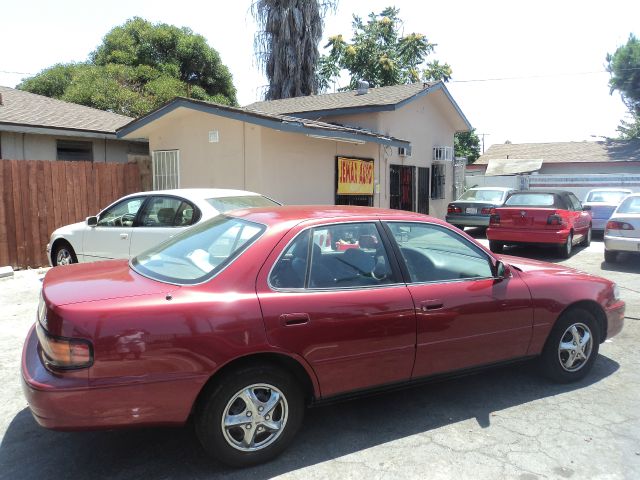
[
  {"x": 224, "y": 204},
  {"x": 609, "y": 196},
  {"x": 630, "y": 205},
  {"x": 493, "y": 196},
  {"x": 198, "y": 253},
  {"x": 530, "y": 200}
]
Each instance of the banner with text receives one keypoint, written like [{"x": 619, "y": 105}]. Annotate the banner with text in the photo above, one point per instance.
[{"x": 355, "y": 177}]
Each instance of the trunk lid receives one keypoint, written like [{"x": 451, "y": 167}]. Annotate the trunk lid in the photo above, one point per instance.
[{"x": 525, "y": 217}]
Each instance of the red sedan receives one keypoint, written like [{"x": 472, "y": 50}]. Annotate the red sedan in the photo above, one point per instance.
[
  {"x": 245, "y": 319},
  {"x": 551, "y": 217}
]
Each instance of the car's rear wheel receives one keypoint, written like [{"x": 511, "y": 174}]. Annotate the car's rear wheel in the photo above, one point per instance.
[
  {"x": 496, "y": 247},
  {"x": 587, "y": 238},
  {"x": 567, "y": 247},
  {"x": 250, "y": 416},
  {"x": 63, "y": 254},
  {"x": 572, "y": 346},
  {"x": 610, "y": 256}
]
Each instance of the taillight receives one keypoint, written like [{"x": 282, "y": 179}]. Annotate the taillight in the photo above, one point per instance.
[
  {"x": 614, "y": 225},
  {"x": 62, "y": 352},
  {"x": 554, "y": 219},
  {"x": 453, "y": 209},
  {"x": 488, "y": 211},
  {"x": 494, "y": 219}
]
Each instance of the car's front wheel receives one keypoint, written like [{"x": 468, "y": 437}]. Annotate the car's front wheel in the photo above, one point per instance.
[
  {"x": 63, "y": 254},
  {"x": 250, "y": 416},
  {"x": 572, "y": 346},
  {"x": 587, "y": 238}
]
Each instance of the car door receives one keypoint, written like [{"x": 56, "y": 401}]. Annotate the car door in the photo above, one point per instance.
[
  {"x": 465, "y": 316},
  {"x": 111, "y": 236},
  {"x": 161, "y": 217},
  {"x": 582, "y": 219},
  {"x": 332, "y": 295}
]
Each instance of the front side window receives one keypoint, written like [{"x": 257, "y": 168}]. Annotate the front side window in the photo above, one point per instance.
[
  {"x": 167, "y": 212},
  {"x": 198, "y": 253},
  {"x": 335, "y": 256},
  {"x": 433, "y": 253},
  {"x": 224, "y": 204},
  {"x": 122, "y": 214}
]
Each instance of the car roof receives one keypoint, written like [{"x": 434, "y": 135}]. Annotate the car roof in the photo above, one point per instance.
[
  {"x": 504, "y": 189},
  {"x": 300, "y": 213},
  {"x": 552, "y": 192},
  {"x": 610, "y": 189},
  {"x": 198, "y": 193}
]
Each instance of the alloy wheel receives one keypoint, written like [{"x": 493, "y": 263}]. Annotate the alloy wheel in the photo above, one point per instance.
[{"x": 575, "y": 347}]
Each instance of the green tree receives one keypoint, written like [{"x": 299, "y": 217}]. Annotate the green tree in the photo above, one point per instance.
[
  {"x": 287, "y": 44},
  {"x": 138, "y": 67},
  {"x": 624, "y": 67},
  {"x": 380, "y": 55},
  {"x": 467, "y": 144}
]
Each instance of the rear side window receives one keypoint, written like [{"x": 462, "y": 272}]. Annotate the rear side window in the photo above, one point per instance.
[
  {"x": 531, "y": 200},
  {"x": 336, "y": 256}
]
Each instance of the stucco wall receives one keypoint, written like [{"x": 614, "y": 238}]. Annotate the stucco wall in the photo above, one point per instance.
[{"x": 18, "y": 146}]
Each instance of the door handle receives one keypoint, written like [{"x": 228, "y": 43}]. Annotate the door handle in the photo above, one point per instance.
[
  {"x": 124, "y": 236},
  {"x": 288, "y": 319},
  {"x": 428, "y": 305}
]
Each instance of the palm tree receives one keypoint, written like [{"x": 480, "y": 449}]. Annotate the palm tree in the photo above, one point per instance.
[{"x": 287, "y": 44}]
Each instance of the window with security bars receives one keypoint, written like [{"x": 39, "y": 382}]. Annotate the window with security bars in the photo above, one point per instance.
[
  {"x": 166, "y": 169},
  {"x": 438, "y": 173}
]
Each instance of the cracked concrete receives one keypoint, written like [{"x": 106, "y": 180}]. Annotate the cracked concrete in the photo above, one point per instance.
[{"x": 507, "y": 423}]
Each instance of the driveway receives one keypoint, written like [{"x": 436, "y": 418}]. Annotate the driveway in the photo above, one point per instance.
[{"x": 502, "y": 423}]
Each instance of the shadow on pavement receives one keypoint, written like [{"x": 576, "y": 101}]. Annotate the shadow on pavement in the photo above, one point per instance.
[
  {"x": 28, "y": 451},
  {"x": 626, "y": 263}
]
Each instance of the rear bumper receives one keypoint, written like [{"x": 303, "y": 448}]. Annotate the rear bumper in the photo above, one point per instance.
[
  {"x": 615, "y": 318},
  {"x": 621, "y": 244},
  {"x": 469, "y": 220},
  {"x": 514, "y": 235},
  {"x": 69, "y": 402}
]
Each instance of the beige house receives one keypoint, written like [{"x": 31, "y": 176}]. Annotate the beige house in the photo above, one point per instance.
[
  {"x": 388, "y": 147},
  {"x": 35, "y": 127}
]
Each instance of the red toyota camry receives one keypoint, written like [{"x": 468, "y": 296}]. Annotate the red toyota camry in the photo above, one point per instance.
[{"x": 243, "y": 320}]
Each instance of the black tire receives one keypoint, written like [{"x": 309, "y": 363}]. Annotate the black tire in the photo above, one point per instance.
[
  {"x": 567, "y": 247},
  {"x": 459, "y": 227},
  {"x": 63, "y": 254},
  {"x": 496, "y": 247},
  {"x": 610, "y": 256},
  {"x": 224, "y": 444},
  {"x": 586, "y": 241},
  {"x": 555, "y": 360}
]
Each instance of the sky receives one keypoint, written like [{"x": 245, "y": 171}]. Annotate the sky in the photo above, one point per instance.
[{"x": 523, "y": 72}]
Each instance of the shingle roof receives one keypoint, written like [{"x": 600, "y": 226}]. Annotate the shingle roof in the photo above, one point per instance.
[
  {"x": 566, "y": 152},
  {"x": 28, "y": 109},
  {"x": 375, "y": 97},
  {"x": 271, "y": 120}
]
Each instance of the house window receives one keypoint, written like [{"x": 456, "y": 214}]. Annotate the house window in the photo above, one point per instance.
[
  {"x": 437, "y": 180},
  {"x": 74, "y": 150},
  {"x": 166, "y": 169}
]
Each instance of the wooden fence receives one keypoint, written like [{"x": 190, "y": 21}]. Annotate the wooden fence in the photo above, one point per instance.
[{"x": 40, "y": 196}]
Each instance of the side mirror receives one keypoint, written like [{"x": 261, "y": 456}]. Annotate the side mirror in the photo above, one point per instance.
[
  {"x": 92, "y": 221},
  {"x": 586, "y": 208},
  {"x": 502, "y": 270}
]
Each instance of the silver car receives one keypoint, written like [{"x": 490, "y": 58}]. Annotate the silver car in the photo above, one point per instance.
[
  {"x": 603, "y": 201},
  {"x": 474, "y": 207},
  {"x": 622, "y": 232}
]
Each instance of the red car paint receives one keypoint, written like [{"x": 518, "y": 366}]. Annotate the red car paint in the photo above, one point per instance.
[
  {"x": 538, "y": 224},
  {"x": 342, "y": 340}
]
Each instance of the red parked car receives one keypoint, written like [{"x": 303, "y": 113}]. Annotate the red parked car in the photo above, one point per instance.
[
  {"x": 243, "y": 320},
  {"x": 551, "y": 217}
]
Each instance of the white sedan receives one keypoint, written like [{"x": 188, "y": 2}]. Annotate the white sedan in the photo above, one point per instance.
[
  {"x": 140, "y": 221},
  {"x": 622, "y": 233}
]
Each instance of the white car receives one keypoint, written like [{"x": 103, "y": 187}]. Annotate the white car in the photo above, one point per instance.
[
  {"x": 603, "y": 201},
  {"x": 140, "y": 221},
  {"x": 622, "y": 233}
]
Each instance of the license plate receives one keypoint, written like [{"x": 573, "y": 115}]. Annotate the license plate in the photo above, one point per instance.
[{"x": 472, "y": 211}]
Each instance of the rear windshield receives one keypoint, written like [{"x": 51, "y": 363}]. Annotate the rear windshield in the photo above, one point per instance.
[
  {"x": 607, "y": 197},
  {"x": 224, "y": 204},
  {"x": 630, "y": 205},
  {"x": 483, "y": 195},
  {"x": 531, "y": 200},
  {"x": 198, "y": 253}
]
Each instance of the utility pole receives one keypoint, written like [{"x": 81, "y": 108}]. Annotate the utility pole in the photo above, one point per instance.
[{"x": 483, "y": 134}]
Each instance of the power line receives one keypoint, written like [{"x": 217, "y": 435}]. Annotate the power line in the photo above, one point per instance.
[
  {"x": 17, "y": 73},
  {"x": 529, "y": 77}
]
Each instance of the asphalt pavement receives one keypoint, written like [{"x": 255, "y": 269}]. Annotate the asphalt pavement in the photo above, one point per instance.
[{"x": 507, "y": 423}]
